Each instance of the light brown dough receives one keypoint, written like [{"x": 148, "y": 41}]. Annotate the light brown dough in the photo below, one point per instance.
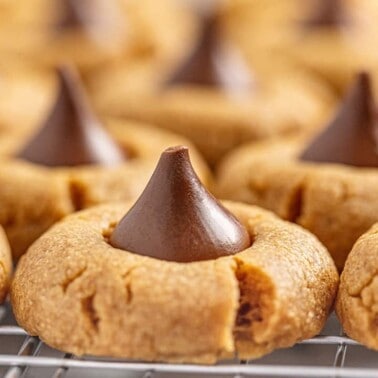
[
  {"x": 357, "y": 300},
  {"x": 215, "y": 121},
  {"x": 135, "y": 30},
  {"x": 116, "y": 303},
  {"x": 34, "y": 197},
  {"x": 335, "y": 202},
  {"x": 274, "y": 28}
]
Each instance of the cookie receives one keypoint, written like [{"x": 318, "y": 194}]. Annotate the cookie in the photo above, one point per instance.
[
  {"x": 73, "y": 163},
  {"x": 221, "y": 282},
  {"x": 5, "y": 265},
  {"x": 326, "y": 184},
  {"x": 93, "y": 33},
  {"x": 213, "y": 98},
  {"x": 356, "y": 304},
  {"x": 332, "y": 38}
]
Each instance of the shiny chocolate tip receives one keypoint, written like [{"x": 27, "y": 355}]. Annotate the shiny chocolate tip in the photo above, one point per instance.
[{"x": 177, "y": 219}]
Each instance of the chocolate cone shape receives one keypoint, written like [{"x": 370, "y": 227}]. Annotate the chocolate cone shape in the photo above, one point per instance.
[
  {"x": 82, "y": 13},
  {"x": 351, "y": 136},
  {"x": 213, "y": 63},
  {"x": 177, "y": 219},
  {"x": 327, "y": 13},
  {"x": 98, "y": 19},
  {"x": 76, "y": 14},
  {"x": 200, "y": 66},
  {"x": 71, "y": 135}
]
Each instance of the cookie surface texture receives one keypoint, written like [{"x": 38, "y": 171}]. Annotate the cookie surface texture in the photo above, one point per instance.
[
  {"x": 125, "y": 305},
  {"x": 335, "y": 202},
  {"x": 357, "y": 301}
]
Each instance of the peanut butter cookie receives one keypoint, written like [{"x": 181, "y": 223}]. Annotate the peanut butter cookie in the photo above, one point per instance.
[
  {"x": 95, "y": 32},
  {"x": 213, "y": 97},
  {"x": 357, "y": 300},
  {"x": 73, "y": 162},
  {"x": 331, "y": 38},
  {"x": 327, "y": 185},
  {"x": 180, "y": 278}
]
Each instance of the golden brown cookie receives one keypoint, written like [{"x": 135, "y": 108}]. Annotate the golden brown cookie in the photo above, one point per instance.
[
  {"x": 357, "y": 299},
  {"x": 215, "y": 123},
  {"x": 5, "y": 265},
  {"x": 213, "y": 98},
  {"x": 95, "y": 32},
  {"x": 332, "y": 38},
  {"x": 336, "y": 203},
  {"x": 327, "y": 184},
  {"x": 73, "y": 163},
  {"x": 203, "y": 311},
  {"x": 34, "y": 197}
]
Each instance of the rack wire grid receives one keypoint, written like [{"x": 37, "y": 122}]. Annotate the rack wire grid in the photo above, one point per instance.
[{"x": 330, "y": 354}]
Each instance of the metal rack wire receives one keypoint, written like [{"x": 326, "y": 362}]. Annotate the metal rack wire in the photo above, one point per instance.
[{"x": 328, "y": 355}]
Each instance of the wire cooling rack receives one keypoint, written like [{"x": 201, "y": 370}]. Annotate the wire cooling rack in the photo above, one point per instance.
[{"x": 329, "y": 355}]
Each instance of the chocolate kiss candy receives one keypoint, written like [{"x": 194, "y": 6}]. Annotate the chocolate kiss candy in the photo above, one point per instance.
[
  {"x": 99, "y": 19},
  {"x": 71, "y": 15},
  {"x": 83, "y": 13},
  {"x": 213, "y": 63},
  {"x": 326, "y": 13},
  {"x": 351, "y": 136},
  {"x": 71, "y": 135},
  {"x": 177, "y": 219}
]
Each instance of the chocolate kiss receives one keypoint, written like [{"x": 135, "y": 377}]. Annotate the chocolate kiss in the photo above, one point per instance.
[
  {"x": 351, "y": 136},
  {"x": 213, "y": 63},
  {"x": 71, "y": 135},
  {"x": 76, "y": 13},
  {"x": 326, "y": 13},
  {"x": 70, "y": 15},
  {"x": 177, "y": 219},
  {"x": 95, "y": 17}
]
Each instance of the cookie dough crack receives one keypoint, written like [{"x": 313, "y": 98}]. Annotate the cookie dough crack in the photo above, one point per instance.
[
  {"x": 126, "y": 277},
  {"x": 255, "y": 291},
  {"x": 90, "y": 313},
  {"x": 368, "y": 283},
  {"x": 70, "y": 280}
]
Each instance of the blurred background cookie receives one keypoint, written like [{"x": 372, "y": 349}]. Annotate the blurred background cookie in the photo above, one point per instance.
[
  {"x": 92, "y": 32},
  {"x": 214, "y": 97},
  {"x": 332, "y": 38},
  {"x": 325, "y": 183},
  {"x": 73, "y": 161},
  {"x": 206, "y": 280}
]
